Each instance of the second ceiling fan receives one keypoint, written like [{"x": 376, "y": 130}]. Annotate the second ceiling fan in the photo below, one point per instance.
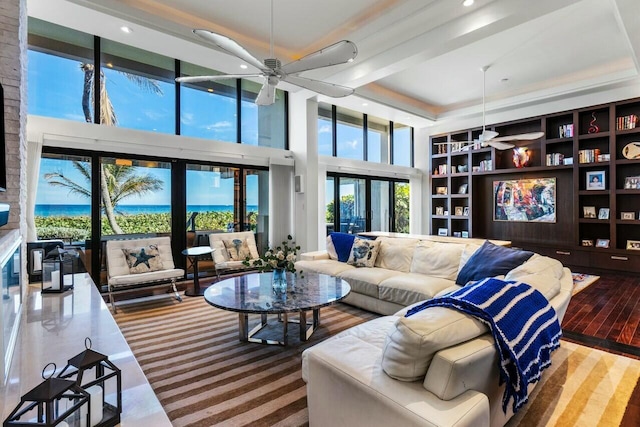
[{"x": 273, "y": 72}]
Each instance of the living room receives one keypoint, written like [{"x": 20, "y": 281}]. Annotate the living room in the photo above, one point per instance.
[{"x": 288, "y": 162}]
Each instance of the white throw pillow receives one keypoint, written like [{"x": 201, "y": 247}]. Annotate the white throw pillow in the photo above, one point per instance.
[
  {"x": 396, "y": 253},
  {"x": 411, "y": 345},
  {"x": 437, "y": 259},
  {"x": 331, "y": 250},
  {"x": 364, "y": 252}
]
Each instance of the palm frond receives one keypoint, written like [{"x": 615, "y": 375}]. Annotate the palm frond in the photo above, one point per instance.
[
  {"x": 58, "y": 179},
  {"x": 145, "y": 83},
  {"x": 107, "y": 113}
]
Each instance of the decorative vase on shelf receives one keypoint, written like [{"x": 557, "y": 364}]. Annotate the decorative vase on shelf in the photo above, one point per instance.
[{"x": 279, "y": 282}]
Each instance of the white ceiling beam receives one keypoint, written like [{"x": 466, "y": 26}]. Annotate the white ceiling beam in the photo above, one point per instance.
[{"x": 627, "y": 13}]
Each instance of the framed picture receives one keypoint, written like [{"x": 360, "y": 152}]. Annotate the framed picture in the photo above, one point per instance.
[
  {"x": 457, "y": 234},
  {"x": 602, "y": 243},
  {"x": 463, "y": 189},
  {"x": 443, "y": 232},
  {"x": 525, "y": 200},
  {"x": 628, "y": 215},
  {"x": 596, "y": 180},
  {"x": 465, "y": 212},
  {"x": 465, "y": 234},
  {"x": 633, "y": 245},
  {"x": 603, "y": 213},
  {"x": 459, "y": 210},
  {"x": 587, "y": 242},
  {"x": 441, "y": 190},
  {"x": 589, "y": 211},
  {"x": 439, "y": 210},
  {"x": 632, "y": 183}
]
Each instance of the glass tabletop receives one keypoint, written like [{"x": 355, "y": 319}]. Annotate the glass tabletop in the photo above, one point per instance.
[{"x": 253, "y": 293}]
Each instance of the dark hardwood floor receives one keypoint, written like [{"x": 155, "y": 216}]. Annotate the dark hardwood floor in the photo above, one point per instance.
[{"x": 606, "y": 315}]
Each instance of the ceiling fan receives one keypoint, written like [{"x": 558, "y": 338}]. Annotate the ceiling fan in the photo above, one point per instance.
[
  {"x": 489, "y": 137},
  {"x": 273, "y": 72}
]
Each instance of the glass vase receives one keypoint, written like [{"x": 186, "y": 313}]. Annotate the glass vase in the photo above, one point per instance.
[{"x": 279, "y": 282}]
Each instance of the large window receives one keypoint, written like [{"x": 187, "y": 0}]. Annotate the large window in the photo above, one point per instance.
[
  {"x": 208, "y": 109},
  {"x": 325, "y": 130},
  {"x": 401, "y": 207},
  {"x": 352, "y": 204},
  {"x": 402, "y": 145},
  {"x": 262, "y": 125},
  {"x": 210, "y": 198},
  {"x": 380, "y": 205},
  {"x": 256, "y": 218},
  {"x": 59, "y": 61},
  {"x": 139, "y": 196},
  {"x": 136, "y": 88},
  {"x": 63, "y": 198},
  {"x": 377, "y": 140},
  {"x": 349, "y": 134}
]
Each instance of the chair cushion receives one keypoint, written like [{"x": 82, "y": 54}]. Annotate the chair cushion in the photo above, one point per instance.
[
  {"x": 490, "y": 261},
  {"x": 364, "y": 252},
  {"x": 437, "y": 259},
  {"x": 324, "y": 266},
  {"x": 366, "y": 280},
  {"x": 144, "y": 278},
  {"x": 409, "y": 288},
  {"x": 396, "y": 253},
  {"x": 143, "y": 259}
]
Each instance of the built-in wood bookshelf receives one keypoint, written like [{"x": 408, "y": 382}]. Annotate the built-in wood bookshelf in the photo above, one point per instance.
[{"x": 577, "y": 146}]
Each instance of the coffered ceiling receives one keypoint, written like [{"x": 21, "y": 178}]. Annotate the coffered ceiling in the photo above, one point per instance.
[{"x": 422, "y": 57}]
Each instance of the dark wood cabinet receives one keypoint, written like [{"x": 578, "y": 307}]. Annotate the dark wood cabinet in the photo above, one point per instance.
[{"x": 594, "y": 155}]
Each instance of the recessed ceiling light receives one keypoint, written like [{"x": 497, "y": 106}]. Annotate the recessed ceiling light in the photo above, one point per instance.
[
  {"x": 364, "y": 104},
  {"x": 210, "y": 90},
  {"x": 243, "y": 66},
  {"x": 504, "y": 80},
  {"x": 126, "y": 29},
  {"x": 350, "y": 60},
  {"x": 467, "y": 3}
]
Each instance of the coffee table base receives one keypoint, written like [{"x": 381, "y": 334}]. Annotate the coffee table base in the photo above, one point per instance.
[{"x": 306, "y": 329}]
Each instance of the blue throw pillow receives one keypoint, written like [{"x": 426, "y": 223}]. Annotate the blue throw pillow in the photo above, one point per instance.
[
  {"x": 342, "y": 242},
  {"x": 489, "y": 261}
]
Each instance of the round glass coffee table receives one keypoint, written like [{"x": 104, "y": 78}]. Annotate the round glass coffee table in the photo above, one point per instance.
[{"x": 254, "y": 294}]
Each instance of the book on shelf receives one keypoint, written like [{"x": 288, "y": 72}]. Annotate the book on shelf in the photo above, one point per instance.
[
  {"x": 591, "y": 156},
  {"x": 565, "y": 131},
  {"x": 626, "y": 122},
  {"x": 555, "y": 159}
]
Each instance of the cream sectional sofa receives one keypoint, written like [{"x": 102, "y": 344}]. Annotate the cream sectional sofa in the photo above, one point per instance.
[{"x": 352, "y": 377}]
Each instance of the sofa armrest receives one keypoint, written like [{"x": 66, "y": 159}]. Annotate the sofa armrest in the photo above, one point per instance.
[
  {"x": 472, "y": 365},
  {"x": 314, "y": 256}
]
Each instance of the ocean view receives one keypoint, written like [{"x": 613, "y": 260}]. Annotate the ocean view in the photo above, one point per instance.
[{"x": 80, "y": 210}]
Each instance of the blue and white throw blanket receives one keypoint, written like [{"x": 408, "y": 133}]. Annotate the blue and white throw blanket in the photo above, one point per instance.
[{"x": 524, "y": 326}]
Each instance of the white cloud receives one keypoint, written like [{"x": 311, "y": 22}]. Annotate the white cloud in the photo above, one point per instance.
[
  {"x": 154, "y": 115},
  {"x": 219, "y": 126},
  {"x": 324, "y": 129},
  {"x": 187, "y": 118},
  {"x": 353, "y": 144}
]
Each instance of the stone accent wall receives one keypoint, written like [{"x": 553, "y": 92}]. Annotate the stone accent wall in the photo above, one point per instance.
[{"x": 13, "y": 72}]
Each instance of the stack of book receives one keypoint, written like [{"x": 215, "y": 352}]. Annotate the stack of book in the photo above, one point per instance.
[
  {"x": 485, "y": 165},
  {"x": 565, "y": 131},
  {"x": 555, "y": 159},
  {"x": 626, "y": 122},
  {"x": 589, "y": 156}
]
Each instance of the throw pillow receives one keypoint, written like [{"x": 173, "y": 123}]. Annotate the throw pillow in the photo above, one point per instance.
[
  {"x": 238, "y": 249},
  {"x": 437, "y": 259},
  {"x": 364, "y": 252},
  {"x": 342, "y": 242},
  {"x": 490, "y": 261},
  {"x": 143, "y": 260},
  {"x": 396, "y": 254}
]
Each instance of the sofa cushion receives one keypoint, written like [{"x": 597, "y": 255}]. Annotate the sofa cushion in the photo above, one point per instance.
[
  {"x": 364, "y": 252},
  {"x": 541, "y": 272},
  {"x": 237, "y": 249},
  {"x": 366, "y": 280},
  {"x": 490, "y": 261},
  {"x": 323, "y": 266},
  {"x": 437, "y": 259},
  {"x": 396, "y": 253},
  {"x": 143, "y": 259},
  {"x": 410, "y": 346},
  {"x": 409, "y": 288},
  {"x": 469, "y": 250},
  {"x": 340, "y": 246}
]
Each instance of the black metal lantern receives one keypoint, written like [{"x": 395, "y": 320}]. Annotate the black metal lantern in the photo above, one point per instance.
[
  {"x": 53, "y": 402},
  {"x": 58, "y": 268},
  {"x": 102, "y": 380}
]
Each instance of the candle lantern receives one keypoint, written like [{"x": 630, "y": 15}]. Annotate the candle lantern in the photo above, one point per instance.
[
  {"x": 102, "y": 380},
  {"x": 58, "y": 268},
  {"x": 54, "y": 402}
]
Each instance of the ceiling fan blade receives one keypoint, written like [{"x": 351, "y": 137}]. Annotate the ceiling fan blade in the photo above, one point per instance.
[
  {"x": 338, "y": 53},
  {"x": 267, "y": 95},
  {"x": 230, "y": 46},
  {"x": 197, "y": 79},
  {"x": 499, "y": 145},
  {"x": 487, "y": 135},
  {"x": 323, "y": 88},
  {"x": 521, "y": 137}
]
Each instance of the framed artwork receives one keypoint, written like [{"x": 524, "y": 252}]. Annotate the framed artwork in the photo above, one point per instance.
[
  {"x": 589, "y": 211},
  {"x": 633, "y": 245},
  {"x": 441, "y": 190},
  {"x": 463, "y": 189},
  {"x": 628, "y": 215},
  {"x": 602, "y": 243},
  {"x": 465, "y": 212},
  {"x": 525, "y": 200},
  {"x": 603, "y": 213},
  {"x": 439, "y": 210},
  {"x": 459, "y": 210},
  {"x": 596, "y": 180},
  {"x": 632, "y": 183},
  {"x": 587, "y": 242},
  {"x": 465, "y": 234},
  {"x": 443, "y": 232},
  {"x": 457, "y": 234}
]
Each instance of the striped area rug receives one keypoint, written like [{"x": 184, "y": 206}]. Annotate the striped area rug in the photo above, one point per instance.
[{"x": 204, "y": 376}]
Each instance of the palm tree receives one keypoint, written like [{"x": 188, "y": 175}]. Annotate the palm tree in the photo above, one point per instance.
[{"x": 117, "y": 183}]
